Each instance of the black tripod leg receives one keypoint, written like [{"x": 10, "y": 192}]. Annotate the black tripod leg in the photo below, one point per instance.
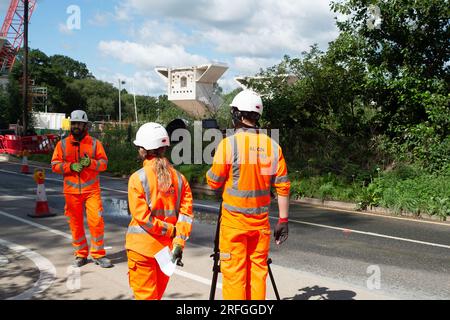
[
  {"x": 216, "y": 258},
  {"x": 212, "y": 293},
  {"x": 272, "y": 279}
]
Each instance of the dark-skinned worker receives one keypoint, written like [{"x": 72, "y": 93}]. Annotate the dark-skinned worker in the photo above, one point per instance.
[
  {"x": 160, "y": 203},
  {"x": 246, "y": 165},
  {"x": 80, "y": 158}
]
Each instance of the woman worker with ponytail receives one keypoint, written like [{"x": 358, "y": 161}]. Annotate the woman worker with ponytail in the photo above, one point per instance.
[{"x": 160, "y": 202}]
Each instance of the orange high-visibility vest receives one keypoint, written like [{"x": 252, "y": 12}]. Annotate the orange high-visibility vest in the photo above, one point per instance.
[
  {"x": 155, "y": 213},
  {"x": 247, "y": 164},
  {"x": 69, "y": 151}
]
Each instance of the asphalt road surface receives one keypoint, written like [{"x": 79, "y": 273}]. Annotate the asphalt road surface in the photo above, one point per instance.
[{"x": 330, "y": 254}]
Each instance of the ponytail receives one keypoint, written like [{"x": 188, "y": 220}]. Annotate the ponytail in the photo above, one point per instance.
[{"x": 162, "y": 168}]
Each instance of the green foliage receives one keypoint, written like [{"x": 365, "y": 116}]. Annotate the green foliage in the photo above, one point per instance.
[
  {"x": 122, "y": 155},
  {"x": 403, "y": 189},
  {"x": 369, "y": 196},
  {"x": 223, "y": 115},
  {"x": 328, "y": 187},
  {"x": 168, "y": 111},
  {"x": 417, "y": 192},
  {"x": 412, "y": 34},
  {"x": 4, "y": 109},
  {"x": 70, "y": 85},
  {"x": 9, "y": 101},
  {"x": 194, "y": 173}
]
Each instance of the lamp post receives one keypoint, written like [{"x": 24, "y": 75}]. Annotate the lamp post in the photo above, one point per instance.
[
  {"x": 135, "y": 107},
  {"x": 25, "y": 67},
  {"x": 120, "y": 101}
]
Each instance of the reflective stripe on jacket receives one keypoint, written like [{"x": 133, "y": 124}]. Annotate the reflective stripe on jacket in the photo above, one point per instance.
[
  {"x": 155, "y": 213},
  {"x": 247, "y": 164},
  {"x": 70, "y": 151}
]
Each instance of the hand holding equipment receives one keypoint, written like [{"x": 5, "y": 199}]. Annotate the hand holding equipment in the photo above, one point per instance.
[
  {"x": 77, "y": 167},
  {"x": 177, "y": 255},
  {"x": 85, "y": 161}
]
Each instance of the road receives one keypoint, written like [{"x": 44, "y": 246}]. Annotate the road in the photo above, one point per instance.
[{"x": 330, "y": 254}]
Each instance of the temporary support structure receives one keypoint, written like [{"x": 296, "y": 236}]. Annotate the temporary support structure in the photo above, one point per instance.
[
  {"x": 193, "y": 88},
  {"x": 12, "y": 33}
]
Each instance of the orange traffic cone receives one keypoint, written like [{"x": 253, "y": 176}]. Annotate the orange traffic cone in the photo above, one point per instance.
[
  {"x": 25, "y": 169},
  {"x": 41, "y": 210}
]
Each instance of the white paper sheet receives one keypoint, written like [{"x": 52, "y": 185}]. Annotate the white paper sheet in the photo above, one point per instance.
[{"x": 164, "y": 259}]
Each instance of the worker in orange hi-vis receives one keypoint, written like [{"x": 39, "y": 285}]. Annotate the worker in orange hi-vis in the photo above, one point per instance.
[
  {"x": 80, "y": 158},
  {"x": 246, "y": 165},
  {"x": 160, "y": 203}
]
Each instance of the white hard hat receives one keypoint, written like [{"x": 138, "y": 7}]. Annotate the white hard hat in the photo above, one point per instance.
[
  {"x": 151, "y": 136},
  {"x": 78, "y": 116},
  {"x": 248, "y": 100}
]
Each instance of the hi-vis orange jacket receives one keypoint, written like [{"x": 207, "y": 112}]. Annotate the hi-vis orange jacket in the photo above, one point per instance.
[
  {"x": 247, "y": 164},
  {"x": 69, "y": 151},
  {"x": 156, "y": 213}
]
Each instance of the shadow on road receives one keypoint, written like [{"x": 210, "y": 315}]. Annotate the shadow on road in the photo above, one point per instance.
[
  {"x": 118, "y": 257},
  {"x": 322, "y": 293}
]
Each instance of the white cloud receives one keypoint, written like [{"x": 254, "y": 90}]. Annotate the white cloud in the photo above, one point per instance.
[
  {"x": 100, "y": 19},
  {"x": 261, "y": 28},
  {"x": 211, "y": 11},
  {"x": 122, "y": 13},
  {"x": 149, "y": 56},
  {"x": 279, "y": 27},
  {"x": 163, "y": 33},
  {"x": 227, "y": 83},
  {"x": 143, "y": 83},
  {"x": 251, "y": 66},
  {"x": 249, "y": 34}
]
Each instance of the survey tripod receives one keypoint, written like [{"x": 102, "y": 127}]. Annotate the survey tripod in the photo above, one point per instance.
[{"x": 216, "y": 262}]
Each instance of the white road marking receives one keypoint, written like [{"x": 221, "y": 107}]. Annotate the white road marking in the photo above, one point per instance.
[
  {"x": 196, "y": 278},
  {"x": 46, "y": 268},
  {"x": 68, "y": 236},
  {"x": 37, "y": 225},
  {"x": 346, "y": 230}
]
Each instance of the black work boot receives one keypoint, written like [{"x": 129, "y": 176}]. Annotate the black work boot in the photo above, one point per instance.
[
  {"x": 103, "y": 262},
  {"x": 79, "y": 262}
]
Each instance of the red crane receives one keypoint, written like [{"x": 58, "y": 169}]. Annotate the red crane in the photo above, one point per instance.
[{"x": 11, "y": 34}]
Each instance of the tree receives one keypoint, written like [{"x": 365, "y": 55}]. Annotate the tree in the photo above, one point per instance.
[
  {"x": 70, "y": 68},
  {"x": 407, "y": 60},
  {"x": 405, "y": 54}
]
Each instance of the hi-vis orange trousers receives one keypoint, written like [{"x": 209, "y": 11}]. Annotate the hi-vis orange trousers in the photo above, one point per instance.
[
  {"x": 94, "y": 210},
  {"x": 146, "y": 279},
  {"x": 243, "y": 263}
]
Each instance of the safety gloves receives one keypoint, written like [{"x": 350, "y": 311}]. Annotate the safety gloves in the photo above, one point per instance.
[
  {"x": 177, "y": 254},
  {"x": 85, "y": 161},
  {"x": 77, "y": 167},
  {"x": 281, "y": 231}
]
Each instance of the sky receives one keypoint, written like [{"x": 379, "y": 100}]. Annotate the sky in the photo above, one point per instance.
[{"x": 127, "y": 39}]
